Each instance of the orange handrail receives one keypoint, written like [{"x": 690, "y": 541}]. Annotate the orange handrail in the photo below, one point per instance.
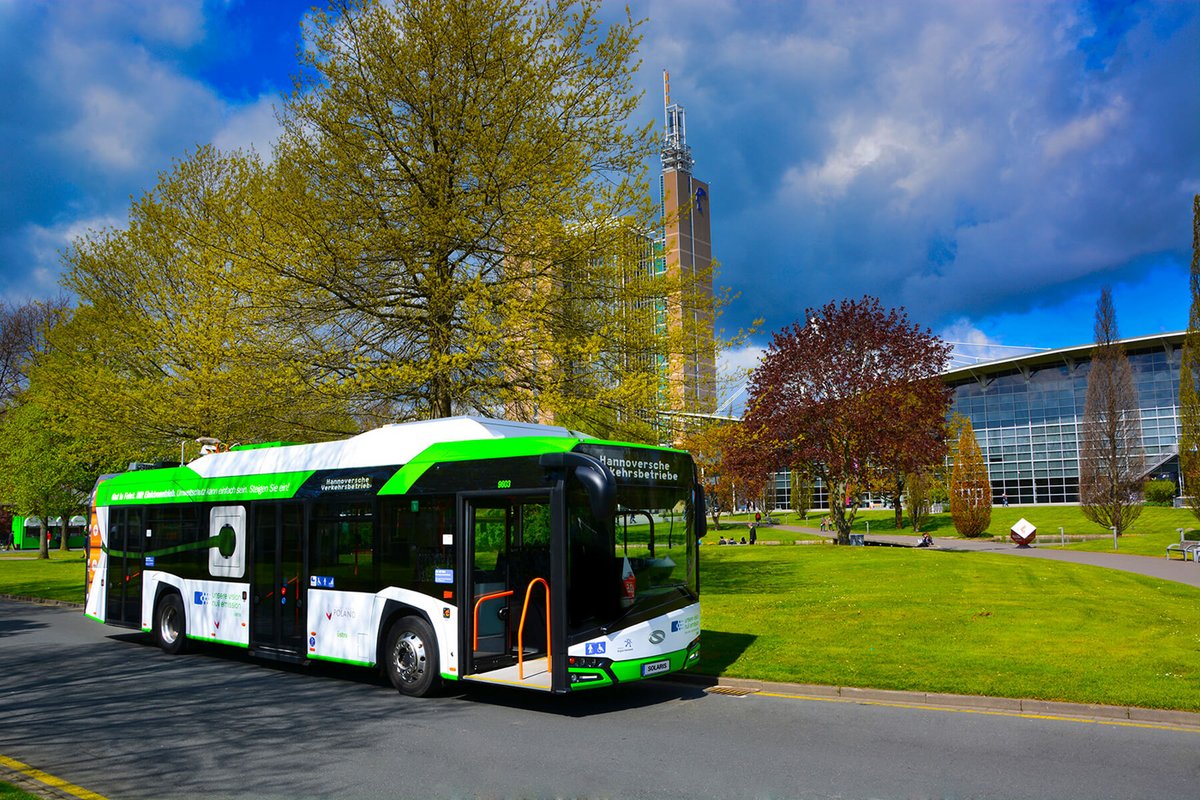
[
  {"x": 521, "y": 629},
  {"x": 478, "y": 603}
]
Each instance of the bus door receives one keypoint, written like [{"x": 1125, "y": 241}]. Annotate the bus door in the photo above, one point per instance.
[
  {"x": 278, "y": 591},
  {"x": 123, "y": 589},
  {"x": 508, "y": 568}
]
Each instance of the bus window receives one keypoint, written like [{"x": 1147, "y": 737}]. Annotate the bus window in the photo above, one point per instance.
[{"x": 343, "y": 545}]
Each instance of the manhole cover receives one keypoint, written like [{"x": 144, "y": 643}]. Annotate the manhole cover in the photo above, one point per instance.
[{"x": 730, "y": 690}]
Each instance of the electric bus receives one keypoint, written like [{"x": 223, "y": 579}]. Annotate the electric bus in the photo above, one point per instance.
[{"x": 461, "y": 549}]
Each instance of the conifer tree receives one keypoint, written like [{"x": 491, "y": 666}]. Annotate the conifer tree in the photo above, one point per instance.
[
  {"x": 970, "y": 487},
  {"x": 1189, "y": 375}
]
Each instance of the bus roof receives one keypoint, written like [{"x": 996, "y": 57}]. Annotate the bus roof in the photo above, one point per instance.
[{"x": 398, "y": 443}]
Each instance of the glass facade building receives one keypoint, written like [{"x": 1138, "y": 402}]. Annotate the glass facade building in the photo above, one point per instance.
[{"x": 1026, "y": 413}]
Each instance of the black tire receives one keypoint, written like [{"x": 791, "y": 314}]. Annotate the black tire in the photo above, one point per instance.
[
  {"x": 410, "y": 657},
  {"x": 170, "y": 624}
]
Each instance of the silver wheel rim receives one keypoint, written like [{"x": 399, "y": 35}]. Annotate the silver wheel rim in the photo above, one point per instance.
[
  {"x": 168, "y": 629},
  {"x": 408, "y": 657}
]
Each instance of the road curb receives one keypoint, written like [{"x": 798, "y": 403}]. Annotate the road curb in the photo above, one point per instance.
[
  {"x": 41, "y": 601},
  {"x": 1007, "y": 705}
]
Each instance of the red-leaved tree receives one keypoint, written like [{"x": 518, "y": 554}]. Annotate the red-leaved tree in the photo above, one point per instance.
[{"x": 853, "y": 390}]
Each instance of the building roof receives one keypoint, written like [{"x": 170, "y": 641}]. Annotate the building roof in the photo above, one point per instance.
[{"x": 1065, "y": 355}]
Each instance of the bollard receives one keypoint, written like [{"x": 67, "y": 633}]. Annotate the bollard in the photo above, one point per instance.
[
  {"x": 1114, "y": 530},
  {"x": 1062, "y": 538}
]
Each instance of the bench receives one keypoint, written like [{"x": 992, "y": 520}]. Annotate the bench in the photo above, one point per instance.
[{"x": 1185, "y": 548}]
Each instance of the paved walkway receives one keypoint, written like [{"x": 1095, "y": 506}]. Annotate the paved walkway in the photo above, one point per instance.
[{"x": 1169, "y": 570}]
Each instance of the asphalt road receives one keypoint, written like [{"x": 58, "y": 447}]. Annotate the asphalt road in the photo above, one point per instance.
[{"x": 105, "y": 710}]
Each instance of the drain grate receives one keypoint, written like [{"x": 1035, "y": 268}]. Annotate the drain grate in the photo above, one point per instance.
[{"x": 730, "y": 690}]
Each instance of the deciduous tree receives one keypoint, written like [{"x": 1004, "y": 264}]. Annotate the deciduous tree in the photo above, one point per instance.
[
  {"x": 42, "y": 473},
  {"x": 170, "y": 340},
  {"x": 802, "y": 489},
  {"x": 1112, "y": 461},
  {"x": 459, "y": 183},
  {"x": 919, "y": 487},
  {"x": 708, "y": 444},
  {"x": 850, "y": 390}
]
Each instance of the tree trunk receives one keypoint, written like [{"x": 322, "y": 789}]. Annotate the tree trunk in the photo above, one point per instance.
[
  {"x": 837, "y": 509},
  {"x": 63, "y": 546},
  {"x": 43, "y": 538}
]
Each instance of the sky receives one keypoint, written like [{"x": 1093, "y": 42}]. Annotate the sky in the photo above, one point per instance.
[{"x": 988, "y": 165}]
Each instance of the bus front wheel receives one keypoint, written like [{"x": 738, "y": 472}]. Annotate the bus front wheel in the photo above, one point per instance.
[
  {"x": 411, "y": 657},
  {"x": 170, "y": 625}
]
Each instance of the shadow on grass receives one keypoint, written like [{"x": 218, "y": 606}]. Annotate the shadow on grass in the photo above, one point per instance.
[{"x": 719, "y": 649}]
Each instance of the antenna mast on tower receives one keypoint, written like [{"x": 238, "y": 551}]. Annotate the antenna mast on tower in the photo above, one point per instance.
[{"x": 676, "y": 155}]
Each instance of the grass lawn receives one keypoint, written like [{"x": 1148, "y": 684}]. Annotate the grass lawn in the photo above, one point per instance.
[
  {"x": 964, "y": 623},
  {"x": 22, "y": 573}
]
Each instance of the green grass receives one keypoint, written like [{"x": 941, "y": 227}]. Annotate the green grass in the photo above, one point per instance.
[
  {"x": 10, "y": 792},
  {"x": 1130, "y": 544},
  {"x": 59, "y": 578},
  {"x": 963, "y": 623}
]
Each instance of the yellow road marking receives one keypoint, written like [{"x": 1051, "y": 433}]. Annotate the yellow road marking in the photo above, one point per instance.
[
  {"x": 49, "y": 780},
  {"x": 987, "y": 712}
]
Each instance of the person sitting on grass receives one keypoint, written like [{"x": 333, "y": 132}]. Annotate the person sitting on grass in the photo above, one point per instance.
[{"x": 926, "y": 540}]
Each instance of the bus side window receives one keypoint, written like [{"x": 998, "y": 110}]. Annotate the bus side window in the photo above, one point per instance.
[
  {"x": 395, "y": 544},
  {"x": 431, "y": 523},
  {"x": 343, "y": 545}
]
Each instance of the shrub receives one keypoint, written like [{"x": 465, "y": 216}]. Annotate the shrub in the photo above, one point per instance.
[{"x": 1159, "y": 492}]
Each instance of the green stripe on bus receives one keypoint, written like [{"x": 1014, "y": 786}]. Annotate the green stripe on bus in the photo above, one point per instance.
[
  {"x": 200, "y": 638},
  {"x": 183, "y": 485},
  {"x": 632, "y": 670},
  {"x": 474, "y": 450},
  {"x": 350, "y": 661}
]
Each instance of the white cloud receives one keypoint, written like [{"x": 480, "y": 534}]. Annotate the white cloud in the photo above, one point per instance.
[
  {"x": 252, "y": 126},
  {"x": 1086, "y": 131},
  {"x": 100, "y": 99},
  {"x": 973, "y": 346},
  {"x": 733, "y": 369}
]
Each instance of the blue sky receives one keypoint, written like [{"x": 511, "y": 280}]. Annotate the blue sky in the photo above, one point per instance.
[{"x": 988, "y": 165}]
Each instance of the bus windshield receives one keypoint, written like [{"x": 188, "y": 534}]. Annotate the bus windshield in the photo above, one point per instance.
[{"x": 641, "y": 562}]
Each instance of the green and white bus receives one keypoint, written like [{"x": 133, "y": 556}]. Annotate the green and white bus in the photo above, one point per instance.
[{"x": 456, "y": 549}]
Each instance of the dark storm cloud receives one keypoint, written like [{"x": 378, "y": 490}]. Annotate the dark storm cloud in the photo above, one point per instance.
[{"x": 961, "y": 159}]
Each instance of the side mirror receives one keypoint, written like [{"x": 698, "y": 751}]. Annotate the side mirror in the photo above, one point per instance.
[{"x": 597, "y": 479}]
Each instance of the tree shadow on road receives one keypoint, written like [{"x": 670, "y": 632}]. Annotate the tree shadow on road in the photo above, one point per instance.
[{"x": 15, "y": 627}]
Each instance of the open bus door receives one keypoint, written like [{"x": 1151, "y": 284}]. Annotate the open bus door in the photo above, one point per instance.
[{"x": 512, "y": 586}]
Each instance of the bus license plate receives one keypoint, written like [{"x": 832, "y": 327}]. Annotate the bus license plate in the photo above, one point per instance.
[{"x": 655, "y": 667}]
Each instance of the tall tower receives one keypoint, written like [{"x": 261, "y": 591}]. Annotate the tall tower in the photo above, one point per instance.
[{"x": 687, "y": 249}]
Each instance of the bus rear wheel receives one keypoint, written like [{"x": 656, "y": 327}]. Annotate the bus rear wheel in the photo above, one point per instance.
[
  {"x": 411, "y": 657},
  {"x": 170, "y": 625}
]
